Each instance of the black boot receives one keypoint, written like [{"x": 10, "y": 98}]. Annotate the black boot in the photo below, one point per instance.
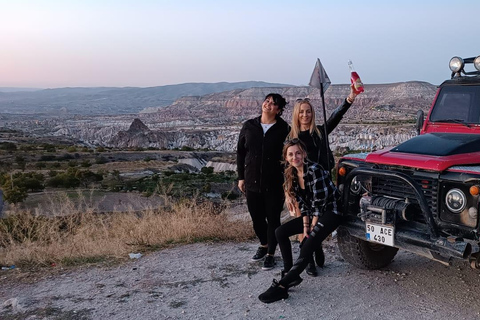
[
  {"x": 274, "y": 293},
  {"x": 320, "y": 257},
  {"x": 312, "y": 268},
  {"x": 294, "y": 282}
]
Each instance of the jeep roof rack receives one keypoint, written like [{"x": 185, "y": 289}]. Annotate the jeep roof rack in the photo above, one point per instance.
[{"x": 457, "y": 66}]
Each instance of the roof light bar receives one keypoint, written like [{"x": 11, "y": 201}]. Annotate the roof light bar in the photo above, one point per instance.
[
  {"x": 456, "y": 64},
  {"x": 476, "y": 63}
]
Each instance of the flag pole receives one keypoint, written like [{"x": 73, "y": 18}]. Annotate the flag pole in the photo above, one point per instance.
[
  {"x": 320, "y": 80},
  {"x": 325, "y": 132}
]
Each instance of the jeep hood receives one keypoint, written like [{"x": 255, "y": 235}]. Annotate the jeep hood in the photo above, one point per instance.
[{"x": 432, "y": 151}]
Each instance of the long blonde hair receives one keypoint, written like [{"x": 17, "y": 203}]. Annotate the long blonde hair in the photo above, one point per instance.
[
  {"x": 290, "y": 172},
  {"x": 295, "y": 127}
]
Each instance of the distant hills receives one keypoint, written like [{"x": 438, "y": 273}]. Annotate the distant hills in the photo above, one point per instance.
[
  {"x": 14, "y": 89},
  {"x": 109, "y": 100}
]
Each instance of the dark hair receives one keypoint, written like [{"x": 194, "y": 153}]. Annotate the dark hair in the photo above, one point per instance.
[{"x": 279, "y": 101}]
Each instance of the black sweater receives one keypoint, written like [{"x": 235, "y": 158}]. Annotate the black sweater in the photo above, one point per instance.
[
  {"x": 259, "y": 157},
  {"x": 316, "y": 148}
]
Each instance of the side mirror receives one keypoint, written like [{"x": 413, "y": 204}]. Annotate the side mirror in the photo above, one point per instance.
[{"x": 419, "y": 124}]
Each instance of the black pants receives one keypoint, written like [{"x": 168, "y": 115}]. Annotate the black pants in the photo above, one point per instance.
[
  {"x": 265, "y": 209},
  {"x": 326, "y": 224}
]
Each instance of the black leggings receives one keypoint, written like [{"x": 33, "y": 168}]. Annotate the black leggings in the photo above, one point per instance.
[
  {"x": 326, "y": 224},
  {"x": 265, "y": 209}
]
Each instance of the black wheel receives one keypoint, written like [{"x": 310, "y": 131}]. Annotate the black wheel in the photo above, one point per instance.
[{"x": 362, "y": 253}]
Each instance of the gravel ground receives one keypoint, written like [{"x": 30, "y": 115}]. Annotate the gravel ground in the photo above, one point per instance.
[{"x": 217, "y": 281}]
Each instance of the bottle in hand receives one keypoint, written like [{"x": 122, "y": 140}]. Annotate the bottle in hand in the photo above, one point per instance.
[{"x": 355, "y": 79}]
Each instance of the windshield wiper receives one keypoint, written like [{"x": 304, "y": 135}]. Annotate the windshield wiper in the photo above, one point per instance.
[{"x": 453, "y": 121}]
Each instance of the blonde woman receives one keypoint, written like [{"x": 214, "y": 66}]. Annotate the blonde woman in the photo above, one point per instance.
[
  {"x": 316, "y": 195},
  {"x": 303, "y": 127}
]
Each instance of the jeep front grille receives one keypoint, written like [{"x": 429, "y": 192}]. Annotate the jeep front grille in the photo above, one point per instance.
[{"x": 398, "y": 189}]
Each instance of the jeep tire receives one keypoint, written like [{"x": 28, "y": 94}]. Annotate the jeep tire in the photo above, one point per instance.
[{"x": 364, "y": 254}]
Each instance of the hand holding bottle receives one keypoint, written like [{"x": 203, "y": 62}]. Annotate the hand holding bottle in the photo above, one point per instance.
[{"x": 355, "y": 79}]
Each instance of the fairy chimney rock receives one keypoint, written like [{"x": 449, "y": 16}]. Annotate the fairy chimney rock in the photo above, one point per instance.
[{"x": 137, "y": 126}]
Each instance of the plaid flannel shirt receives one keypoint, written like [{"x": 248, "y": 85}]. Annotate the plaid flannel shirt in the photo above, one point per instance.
[{"x": 320, "y": 192}]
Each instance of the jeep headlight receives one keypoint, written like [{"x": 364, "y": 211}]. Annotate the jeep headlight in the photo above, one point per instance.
[
  {"x": 455, "y": 200},
  {"x": 476, "y": 63},
  {"x": 456, "y": 64},
  {"x": 355, "y": 186}
]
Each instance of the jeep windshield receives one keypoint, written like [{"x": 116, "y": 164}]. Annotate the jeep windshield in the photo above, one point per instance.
[{"x": 457, "y": 104}]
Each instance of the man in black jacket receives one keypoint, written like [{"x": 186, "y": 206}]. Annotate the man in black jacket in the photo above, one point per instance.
[{"x": 260, "y": 173}]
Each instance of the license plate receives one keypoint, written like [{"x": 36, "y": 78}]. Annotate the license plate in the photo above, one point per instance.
[{"x": 379, "y": 234}]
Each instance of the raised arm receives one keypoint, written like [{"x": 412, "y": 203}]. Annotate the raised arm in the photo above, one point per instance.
[{"x": 338, "y": 113}]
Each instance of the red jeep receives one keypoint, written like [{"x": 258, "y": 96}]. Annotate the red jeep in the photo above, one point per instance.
[{"x": 422, "y": 195}]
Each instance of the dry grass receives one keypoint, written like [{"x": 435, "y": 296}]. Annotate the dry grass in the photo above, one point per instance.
[{"x": 72, "y": 233}]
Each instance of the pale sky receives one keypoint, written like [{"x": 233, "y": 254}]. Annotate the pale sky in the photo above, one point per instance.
[{"x": 141, "y": 43}]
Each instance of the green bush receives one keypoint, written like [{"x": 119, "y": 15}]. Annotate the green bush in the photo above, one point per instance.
[
  {"x": 9, "y": 146},
  {"x": 48, "y": 147},
  {"x": 230, "y": 195},
  {"x": 63, "y": 180},
  {"x": 40, "y": 165},
  {"x": 206, "y": 170},
  {"x": 101, "y": 160},
  {"x": 86, "y": 163}
]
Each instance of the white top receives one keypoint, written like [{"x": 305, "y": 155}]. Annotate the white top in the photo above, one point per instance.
[{"x": 266, "y": 126}]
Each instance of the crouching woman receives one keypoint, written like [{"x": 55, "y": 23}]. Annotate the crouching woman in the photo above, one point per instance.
[{"x": 317, "y": 198}]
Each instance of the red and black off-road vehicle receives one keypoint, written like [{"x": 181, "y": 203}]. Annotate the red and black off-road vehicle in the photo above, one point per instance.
[{"x": 422, "y": 195}]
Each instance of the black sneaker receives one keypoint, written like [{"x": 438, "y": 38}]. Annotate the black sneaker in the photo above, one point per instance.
[
  {"x": 261, "y": 252},
  {"x": 320, "y": 257},
  {"x": 274, "y": 293},
  {"x": 269, "y": 263},
  {"x": 294, "y": 282}
]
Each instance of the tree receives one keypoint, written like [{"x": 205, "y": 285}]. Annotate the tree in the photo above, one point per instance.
[
  {"x": 48, "y": 147},
  {"x": 29, "y": 181},
  {"x": 207, "y": 170},
  {"x": 15, "y": 194},
  {"x": 21, "y": 162},
  {"x": 12, "y": 192},
  {"x": 87, "y": 177}
]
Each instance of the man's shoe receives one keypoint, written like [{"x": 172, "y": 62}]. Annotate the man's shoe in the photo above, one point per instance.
[
  {"x": 269, "y": 263},
  {"x": 312, "y": 269},
  {"x": 274, "y": 293},
  {"x": 261, "y": 252},
  {"x": 294, "y": 282},
  {"x": 320, "y": 257}
]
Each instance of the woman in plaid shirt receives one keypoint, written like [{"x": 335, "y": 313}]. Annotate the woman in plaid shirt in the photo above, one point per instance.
[{"x": 317, "y": 197}]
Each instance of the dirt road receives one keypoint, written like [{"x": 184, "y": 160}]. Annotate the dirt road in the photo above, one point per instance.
[{"x": 217, "y": 281}]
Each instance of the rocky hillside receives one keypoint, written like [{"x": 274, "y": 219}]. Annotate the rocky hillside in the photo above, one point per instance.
[
  {"x": 397, "y": 101},
  {"x": 382, "y": 116}
]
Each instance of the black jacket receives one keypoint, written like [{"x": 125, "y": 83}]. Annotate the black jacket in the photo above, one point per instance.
[
  {"x": 318, "y": 152},
  {"x": 259, "y": 157}
]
